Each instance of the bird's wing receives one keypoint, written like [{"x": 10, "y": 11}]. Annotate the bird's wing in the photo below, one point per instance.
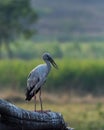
[{"x": 31, "y": 83}]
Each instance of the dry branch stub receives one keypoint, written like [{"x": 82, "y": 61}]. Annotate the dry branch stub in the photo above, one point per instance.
[{"x": 14, "y": 118}]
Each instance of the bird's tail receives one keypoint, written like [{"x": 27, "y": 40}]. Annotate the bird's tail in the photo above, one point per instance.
[{"x": 28, "y": 95}]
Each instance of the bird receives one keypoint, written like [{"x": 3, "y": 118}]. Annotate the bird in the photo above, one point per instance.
[{"x": 37, "y": 77}]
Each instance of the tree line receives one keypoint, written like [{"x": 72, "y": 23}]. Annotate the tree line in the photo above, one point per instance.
[{"x": 16, "y": 18}]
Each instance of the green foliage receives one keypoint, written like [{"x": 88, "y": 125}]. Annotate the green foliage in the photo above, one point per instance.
[
  {"x": 81, "y": 76},
  {"x": 26, "y": 49},
  {"x": 16, "y": 17},
  {"x": 29, "y": 50}
]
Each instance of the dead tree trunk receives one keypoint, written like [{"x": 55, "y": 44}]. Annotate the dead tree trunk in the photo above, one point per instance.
[{"x": 14, "y": 118}]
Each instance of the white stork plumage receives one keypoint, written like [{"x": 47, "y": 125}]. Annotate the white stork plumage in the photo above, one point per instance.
[{"x": 37, "y": 78}]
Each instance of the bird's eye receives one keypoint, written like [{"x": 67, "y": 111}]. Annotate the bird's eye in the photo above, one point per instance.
[{"x": 46, "y": 56}]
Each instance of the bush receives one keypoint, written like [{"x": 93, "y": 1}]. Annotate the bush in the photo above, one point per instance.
[{"x": 82, "y": 76}]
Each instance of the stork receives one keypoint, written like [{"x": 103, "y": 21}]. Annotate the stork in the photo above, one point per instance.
[{"x": 37, "y": 78}]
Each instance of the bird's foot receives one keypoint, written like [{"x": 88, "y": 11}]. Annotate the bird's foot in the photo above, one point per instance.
[{"x": 43, "y": 111}]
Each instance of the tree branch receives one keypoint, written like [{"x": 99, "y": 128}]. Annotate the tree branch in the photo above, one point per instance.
[{"x": 14, "y": 118}]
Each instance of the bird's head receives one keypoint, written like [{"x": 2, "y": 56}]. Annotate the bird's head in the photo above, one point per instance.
[{"x": 47, "y": 57}]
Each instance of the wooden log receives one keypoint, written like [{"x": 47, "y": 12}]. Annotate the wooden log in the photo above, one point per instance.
[{"x": 14, "y": 118}]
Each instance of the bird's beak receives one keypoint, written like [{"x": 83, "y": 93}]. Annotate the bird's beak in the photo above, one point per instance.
[{"x": 53, "y": 63}]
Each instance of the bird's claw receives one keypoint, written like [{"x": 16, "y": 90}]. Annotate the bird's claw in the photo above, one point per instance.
[{"x": 43, "y": 111}]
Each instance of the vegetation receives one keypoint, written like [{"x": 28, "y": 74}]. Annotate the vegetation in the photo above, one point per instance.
[
  {"x": 80, "y": 76},
  {"x": 16, "y": 18},
  {"x": 81, "y": 64},
  {"x": 26, "y": 49},
  {"x": 81, "y": 72}
]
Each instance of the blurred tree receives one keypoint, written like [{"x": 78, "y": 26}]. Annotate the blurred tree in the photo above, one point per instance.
[{"x": 16, "y": 19}]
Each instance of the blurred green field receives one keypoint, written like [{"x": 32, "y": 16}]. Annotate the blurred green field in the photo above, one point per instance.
[
  {"x": 80, "y": 76},
  {"x": 26, "y": 49}
]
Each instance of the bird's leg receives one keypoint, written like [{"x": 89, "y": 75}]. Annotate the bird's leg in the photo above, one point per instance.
[
  {"x": 40, "y": 100},
  {"x": 42, "y": 105},
  {"x": 35, "y": 102}
]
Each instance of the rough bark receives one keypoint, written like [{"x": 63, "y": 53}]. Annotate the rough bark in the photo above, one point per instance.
[{"x": 14, "y": 118}]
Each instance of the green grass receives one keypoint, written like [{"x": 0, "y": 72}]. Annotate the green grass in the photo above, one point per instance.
[
  {"x": 71, "y": 50},
  {"x": 85, "y": 76}
]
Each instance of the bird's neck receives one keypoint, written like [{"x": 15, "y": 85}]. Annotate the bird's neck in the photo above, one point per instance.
[{"x": 48, "y": 65}]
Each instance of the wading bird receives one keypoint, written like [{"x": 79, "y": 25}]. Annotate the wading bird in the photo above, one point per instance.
[{"x": 37, "y": 78}]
